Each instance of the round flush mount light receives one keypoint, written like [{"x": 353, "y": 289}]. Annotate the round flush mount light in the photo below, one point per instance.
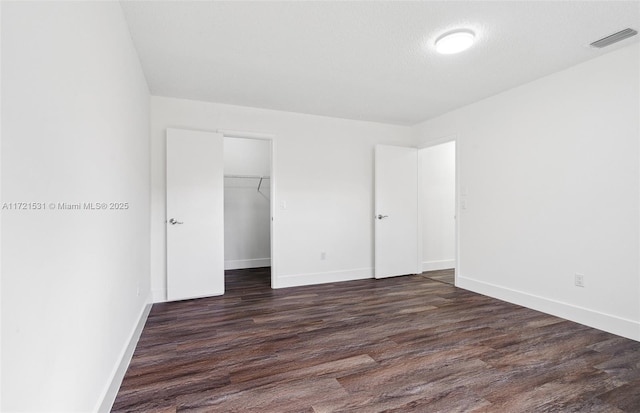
[{"x": 455, "y": 41}]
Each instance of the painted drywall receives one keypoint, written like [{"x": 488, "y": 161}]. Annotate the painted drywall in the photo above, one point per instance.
[
  {"x": 322, "y": 187},
  {"x": 437, "y": 191},
  {"x": 247, "y": 204},
  {"x": 75, "y": 130},
  {"x": 247, "y": 156},
  {"x": 549, "y": 174}
]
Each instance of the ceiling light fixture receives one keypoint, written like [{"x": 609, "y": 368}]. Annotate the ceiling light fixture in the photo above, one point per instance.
[{"x": 455, "y": 41}]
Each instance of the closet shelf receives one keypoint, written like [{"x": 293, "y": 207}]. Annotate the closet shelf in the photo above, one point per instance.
[{"x": 260, "y": 177}]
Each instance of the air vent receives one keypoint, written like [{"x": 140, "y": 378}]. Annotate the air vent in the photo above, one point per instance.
[{"x": 614, "y": 38}]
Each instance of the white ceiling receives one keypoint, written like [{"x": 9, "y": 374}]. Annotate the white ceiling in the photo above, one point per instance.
[{"x": 362, "y": 60}]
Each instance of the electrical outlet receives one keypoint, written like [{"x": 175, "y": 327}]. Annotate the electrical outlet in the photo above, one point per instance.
[
  {"x": 323, "y": 255},
  {"x": 579, "y": 280}
]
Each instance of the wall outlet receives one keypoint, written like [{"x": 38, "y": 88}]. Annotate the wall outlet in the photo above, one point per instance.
[
  {"x": 323, "y": 255},
  {"x": 579, "y": 280}
]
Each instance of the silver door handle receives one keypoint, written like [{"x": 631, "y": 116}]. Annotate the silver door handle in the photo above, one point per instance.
[
  {"x": 173, "y": 221},
  {"x": 380, "y": 216}
]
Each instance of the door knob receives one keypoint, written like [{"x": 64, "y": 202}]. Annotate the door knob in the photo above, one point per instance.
[
  {"x": 174, "y": 221},
  {"x": 380, "y": 216}
]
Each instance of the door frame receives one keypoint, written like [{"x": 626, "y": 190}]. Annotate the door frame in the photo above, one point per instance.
[
  {"x": 431, "y": 143},
  {"x": 227, "y": 133}
]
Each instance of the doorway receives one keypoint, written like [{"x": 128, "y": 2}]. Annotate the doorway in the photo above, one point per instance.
[
  {"x": 247, "y": 210},
  {"x": 415, "y": 211},
  {"x": 437, "y": 199}
]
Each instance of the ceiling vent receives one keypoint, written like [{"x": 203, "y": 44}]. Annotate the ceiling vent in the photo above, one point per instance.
[{"x": 614, "y": 38}]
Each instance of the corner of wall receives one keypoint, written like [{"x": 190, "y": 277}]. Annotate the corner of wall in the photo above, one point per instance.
[{"x": 120, "y": 368}]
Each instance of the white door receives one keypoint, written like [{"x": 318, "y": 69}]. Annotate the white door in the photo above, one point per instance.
[
  {"x": 195, "y": 214},
  {"x": 396, "y": 211}
]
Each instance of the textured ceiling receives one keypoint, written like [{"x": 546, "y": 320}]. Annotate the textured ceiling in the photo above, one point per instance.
[{"x": 362, "y": 60}]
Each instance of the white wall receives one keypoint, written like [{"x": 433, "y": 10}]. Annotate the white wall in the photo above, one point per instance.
[
  {"x": 247, "y": 211},
  {"x": 549, "y": 172},
  {"x": 323, "y": 171},
  {"x": 247, "y": 156},
  {"x": 438, "y": 205},
  {"x": 75, "y": 119}
]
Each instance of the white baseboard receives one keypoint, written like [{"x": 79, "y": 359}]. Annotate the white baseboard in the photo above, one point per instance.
[
  {"x": 605, "y": 322},
  {"x": 438, "y": 265},
  {"x": 248, "y": 263},
  {"x": 109, "y": 395},
  {"x": 297, "y": 280}
]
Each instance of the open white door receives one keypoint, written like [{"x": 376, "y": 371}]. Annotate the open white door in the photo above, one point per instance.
[
  {"x": 195, "y": 214},
  {"x": 396, "y": 209}
]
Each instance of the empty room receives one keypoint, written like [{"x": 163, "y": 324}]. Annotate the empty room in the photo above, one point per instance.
[{"x": 320, "y": 206}]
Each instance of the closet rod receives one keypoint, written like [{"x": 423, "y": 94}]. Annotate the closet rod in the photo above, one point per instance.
[{"x": 250, "y": 177}]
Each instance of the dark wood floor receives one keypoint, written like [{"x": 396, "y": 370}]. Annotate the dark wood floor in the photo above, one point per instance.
[
  {"x": 446, "y": 276},
  {"x": 395, "y": 345}
]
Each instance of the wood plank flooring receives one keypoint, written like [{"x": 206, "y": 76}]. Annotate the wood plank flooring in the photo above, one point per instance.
[
  {"x": 406, "y": 344},
  {"x": 446, "y": 276}
]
